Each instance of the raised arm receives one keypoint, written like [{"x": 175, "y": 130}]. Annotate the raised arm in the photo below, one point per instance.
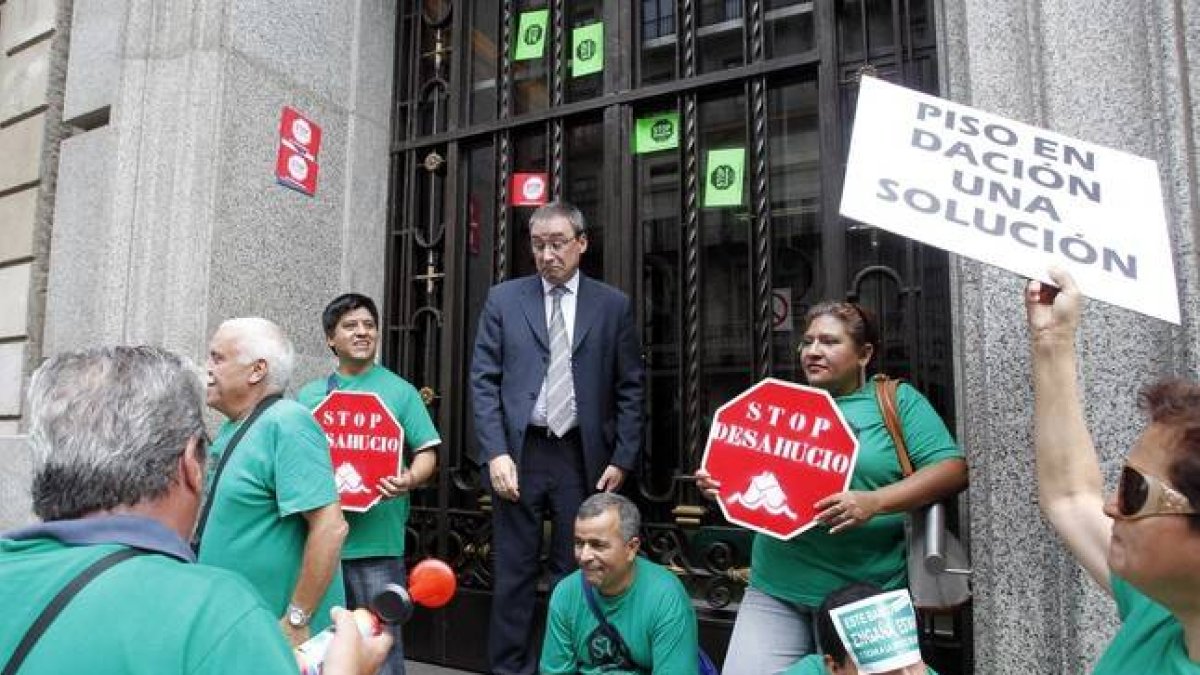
[{"x": 1070, "y": 486}]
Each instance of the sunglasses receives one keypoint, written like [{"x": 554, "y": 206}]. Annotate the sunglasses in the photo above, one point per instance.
[{"x": 1140, "y": 495}]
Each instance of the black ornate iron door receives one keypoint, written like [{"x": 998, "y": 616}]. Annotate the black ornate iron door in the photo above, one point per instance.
[{"x": 721, "y": 290}]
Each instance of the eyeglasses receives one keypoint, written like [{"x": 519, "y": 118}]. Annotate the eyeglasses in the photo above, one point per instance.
[
  {"x": 556, "y": 246},
  {"x": 1140, "y": 495}
]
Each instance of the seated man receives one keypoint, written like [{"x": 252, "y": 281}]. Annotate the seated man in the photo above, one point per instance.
[
  {"x": 835, "y": 659},
  {"x": 118, "y": 443},
  {"x": 649, "y": 624}
]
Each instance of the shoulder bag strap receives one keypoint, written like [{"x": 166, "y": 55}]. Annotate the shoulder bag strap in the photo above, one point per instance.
[
  {"x": 609, "y": 629},
  {"x": 885, "y": 395},
  {"x": 212, "y": 492},
  {"x": 52, "y": 610}
]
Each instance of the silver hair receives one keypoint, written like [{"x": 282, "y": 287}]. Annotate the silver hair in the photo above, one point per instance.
[
  {"x": 107, "y": 427},
  {"x": 628, "y": 516},
  {"x": 560, "y": 209},
  {"x": 259, "y": 338}
]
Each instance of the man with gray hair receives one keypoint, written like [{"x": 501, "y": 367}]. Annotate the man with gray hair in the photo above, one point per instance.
[
  {"x": 118, "y": 442},
  {"x": 272, "y": 511},
  {"x": 618, "y": 611}
]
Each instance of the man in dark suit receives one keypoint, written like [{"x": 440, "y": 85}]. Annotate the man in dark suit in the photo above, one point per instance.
[{"x": 557, "y": 381}]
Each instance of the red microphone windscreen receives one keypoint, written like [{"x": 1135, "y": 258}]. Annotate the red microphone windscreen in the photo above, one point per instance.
[{"x": 431, "y": 583}]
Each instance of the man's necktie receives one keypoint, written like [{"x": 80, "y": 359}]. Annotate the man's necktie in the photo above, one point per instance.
[{"x": 560, "y": 385}]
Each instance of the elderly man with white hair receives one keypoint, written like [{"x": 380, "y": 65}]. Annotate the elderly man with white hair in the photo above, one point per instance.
[{"x": 272, "y": 511}]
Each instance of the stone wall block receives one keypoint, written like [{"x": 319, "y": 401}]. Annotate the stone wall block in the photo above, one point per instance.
[
  {"x": 14, "y": 301},
  {"x": 89, "y": 257},
  {"x": 96, "y": 33},
  {"x": 25, "y": 20},
  {"x": 12, "y": 358},
  {"x": 275, "y": 251},
  {"x": 306, "y": 43},
  {"x": 23, "y": 79},
  {"x": 16, "y": 224},
  {"x": 21, "y": 148},
  {"x": 16, "y": 466},
  {"x": 374, "y": 43},
  {"x": 364, "y": 246},
  {"x": 166, "y": 196}
]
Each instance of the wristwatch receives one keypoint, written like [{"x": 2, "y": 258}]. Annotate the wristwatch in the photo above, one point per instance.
[{"x": 297, "y": 617}]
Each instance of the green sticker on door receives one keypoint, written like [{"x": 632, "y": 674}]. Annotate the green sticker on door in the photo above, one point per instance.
[
  {"x": 531, "y": 35},
  {"x": 587, "y": 49},
  {"x": 656, "y": 132},
  {"x": 723, "y": 177}
]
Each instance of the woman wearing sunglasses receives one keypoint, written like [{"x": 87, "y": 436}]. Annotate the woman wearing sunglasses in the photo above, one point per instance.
[{"x": 1143, "y": 544}]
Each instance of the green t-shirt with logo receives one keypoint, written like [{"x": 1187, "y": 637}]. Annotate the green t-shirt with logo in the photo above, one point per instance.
[
  {"x": 815, "y": 563},
  {"x": 379, "y": 532},
  {"x": 148, "y": 615},
  {"x": 1151, "y": 639},
  {"x": 654, "y": 617},
  {"x": 278, "y": 471},
  {"x": 814, "y": 664}
]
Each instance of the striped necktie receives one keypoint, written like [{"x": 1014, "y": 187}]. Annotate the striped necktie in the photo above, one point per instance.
[{"x": 560, "y": 385}]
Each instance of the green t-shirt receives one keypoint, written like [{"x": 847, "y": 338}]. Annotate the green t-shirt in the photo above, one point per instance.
[
  {"x": 1151, "y": 639},
  {"x": 256, "y": 527},
  {"x": 380, "y": 531},
  {"x": 813, "y": 564},
  {"x": 814, "y": 664},
  {"x": 654, "y": 617},
  {"x": 148, "y": 615}
]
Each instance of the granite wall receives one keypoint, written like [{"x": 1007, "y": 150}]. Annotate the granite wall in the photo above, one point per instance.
[
  {"x": 168, "y": 218},
  {"x": 1112, "y": 73}
]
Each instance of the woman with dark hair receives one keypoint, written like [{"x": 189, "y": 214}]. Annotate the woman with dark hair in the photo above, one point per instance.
[
  {"x": 862, "y": 533},
  {"x": 1142, "y": 546}
]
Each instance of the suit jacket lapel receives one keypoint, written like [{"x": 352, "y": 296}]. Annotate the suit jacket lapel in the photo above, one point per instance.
[
  {"x": 583, "y": 319},
  {"x": 534, "y": 305}
]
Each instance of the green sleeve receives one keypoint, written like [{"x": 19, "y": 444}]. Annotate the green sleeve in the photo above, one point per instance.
[
  {"x": 558, "y": 650},
  {"x": 928, "y": 439},
  {"x": 251, "y": 644},
  {"x": 813, "y": 664},
  {"x": 419, "y": 431},
  {"x": 674, "y": 641},
  {"x": 304, "y": 474}
]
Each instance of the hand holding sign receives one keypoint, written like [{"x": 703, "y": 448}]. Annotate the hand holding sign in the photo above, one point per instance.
[
  {"x": 365, "y": 445},
  {"x": 773, "y": 452},
  {"x": 1053, "y": 313},
  {"x": 847, "y": 509}
]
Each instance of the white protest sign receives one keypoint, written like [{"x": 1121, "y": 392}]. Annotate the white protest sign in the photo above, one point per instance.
[
  {"x": 1011, "y": 195},
  {"x": 879, "y": 632}
]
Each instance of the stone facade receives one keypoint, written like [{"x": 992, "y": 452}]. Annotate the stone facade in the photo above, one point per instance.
[
  {"x": 1116, "y": 74},
  {"x": 33, "y": 38},
  {"x": 166, "y": 218}
]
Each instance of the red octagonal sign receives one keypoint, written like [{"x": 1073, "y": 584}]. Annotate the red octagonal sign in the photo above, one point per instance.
[
  {"x": 777, "y": 449},
  {"x": 365, "y": 444}
]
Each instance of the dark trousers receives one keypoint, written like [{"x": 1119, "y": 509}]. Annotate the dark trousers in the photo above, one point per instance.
[
  {"x": 365, "y": 578},
  {"x": 551, "y": 482}
]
